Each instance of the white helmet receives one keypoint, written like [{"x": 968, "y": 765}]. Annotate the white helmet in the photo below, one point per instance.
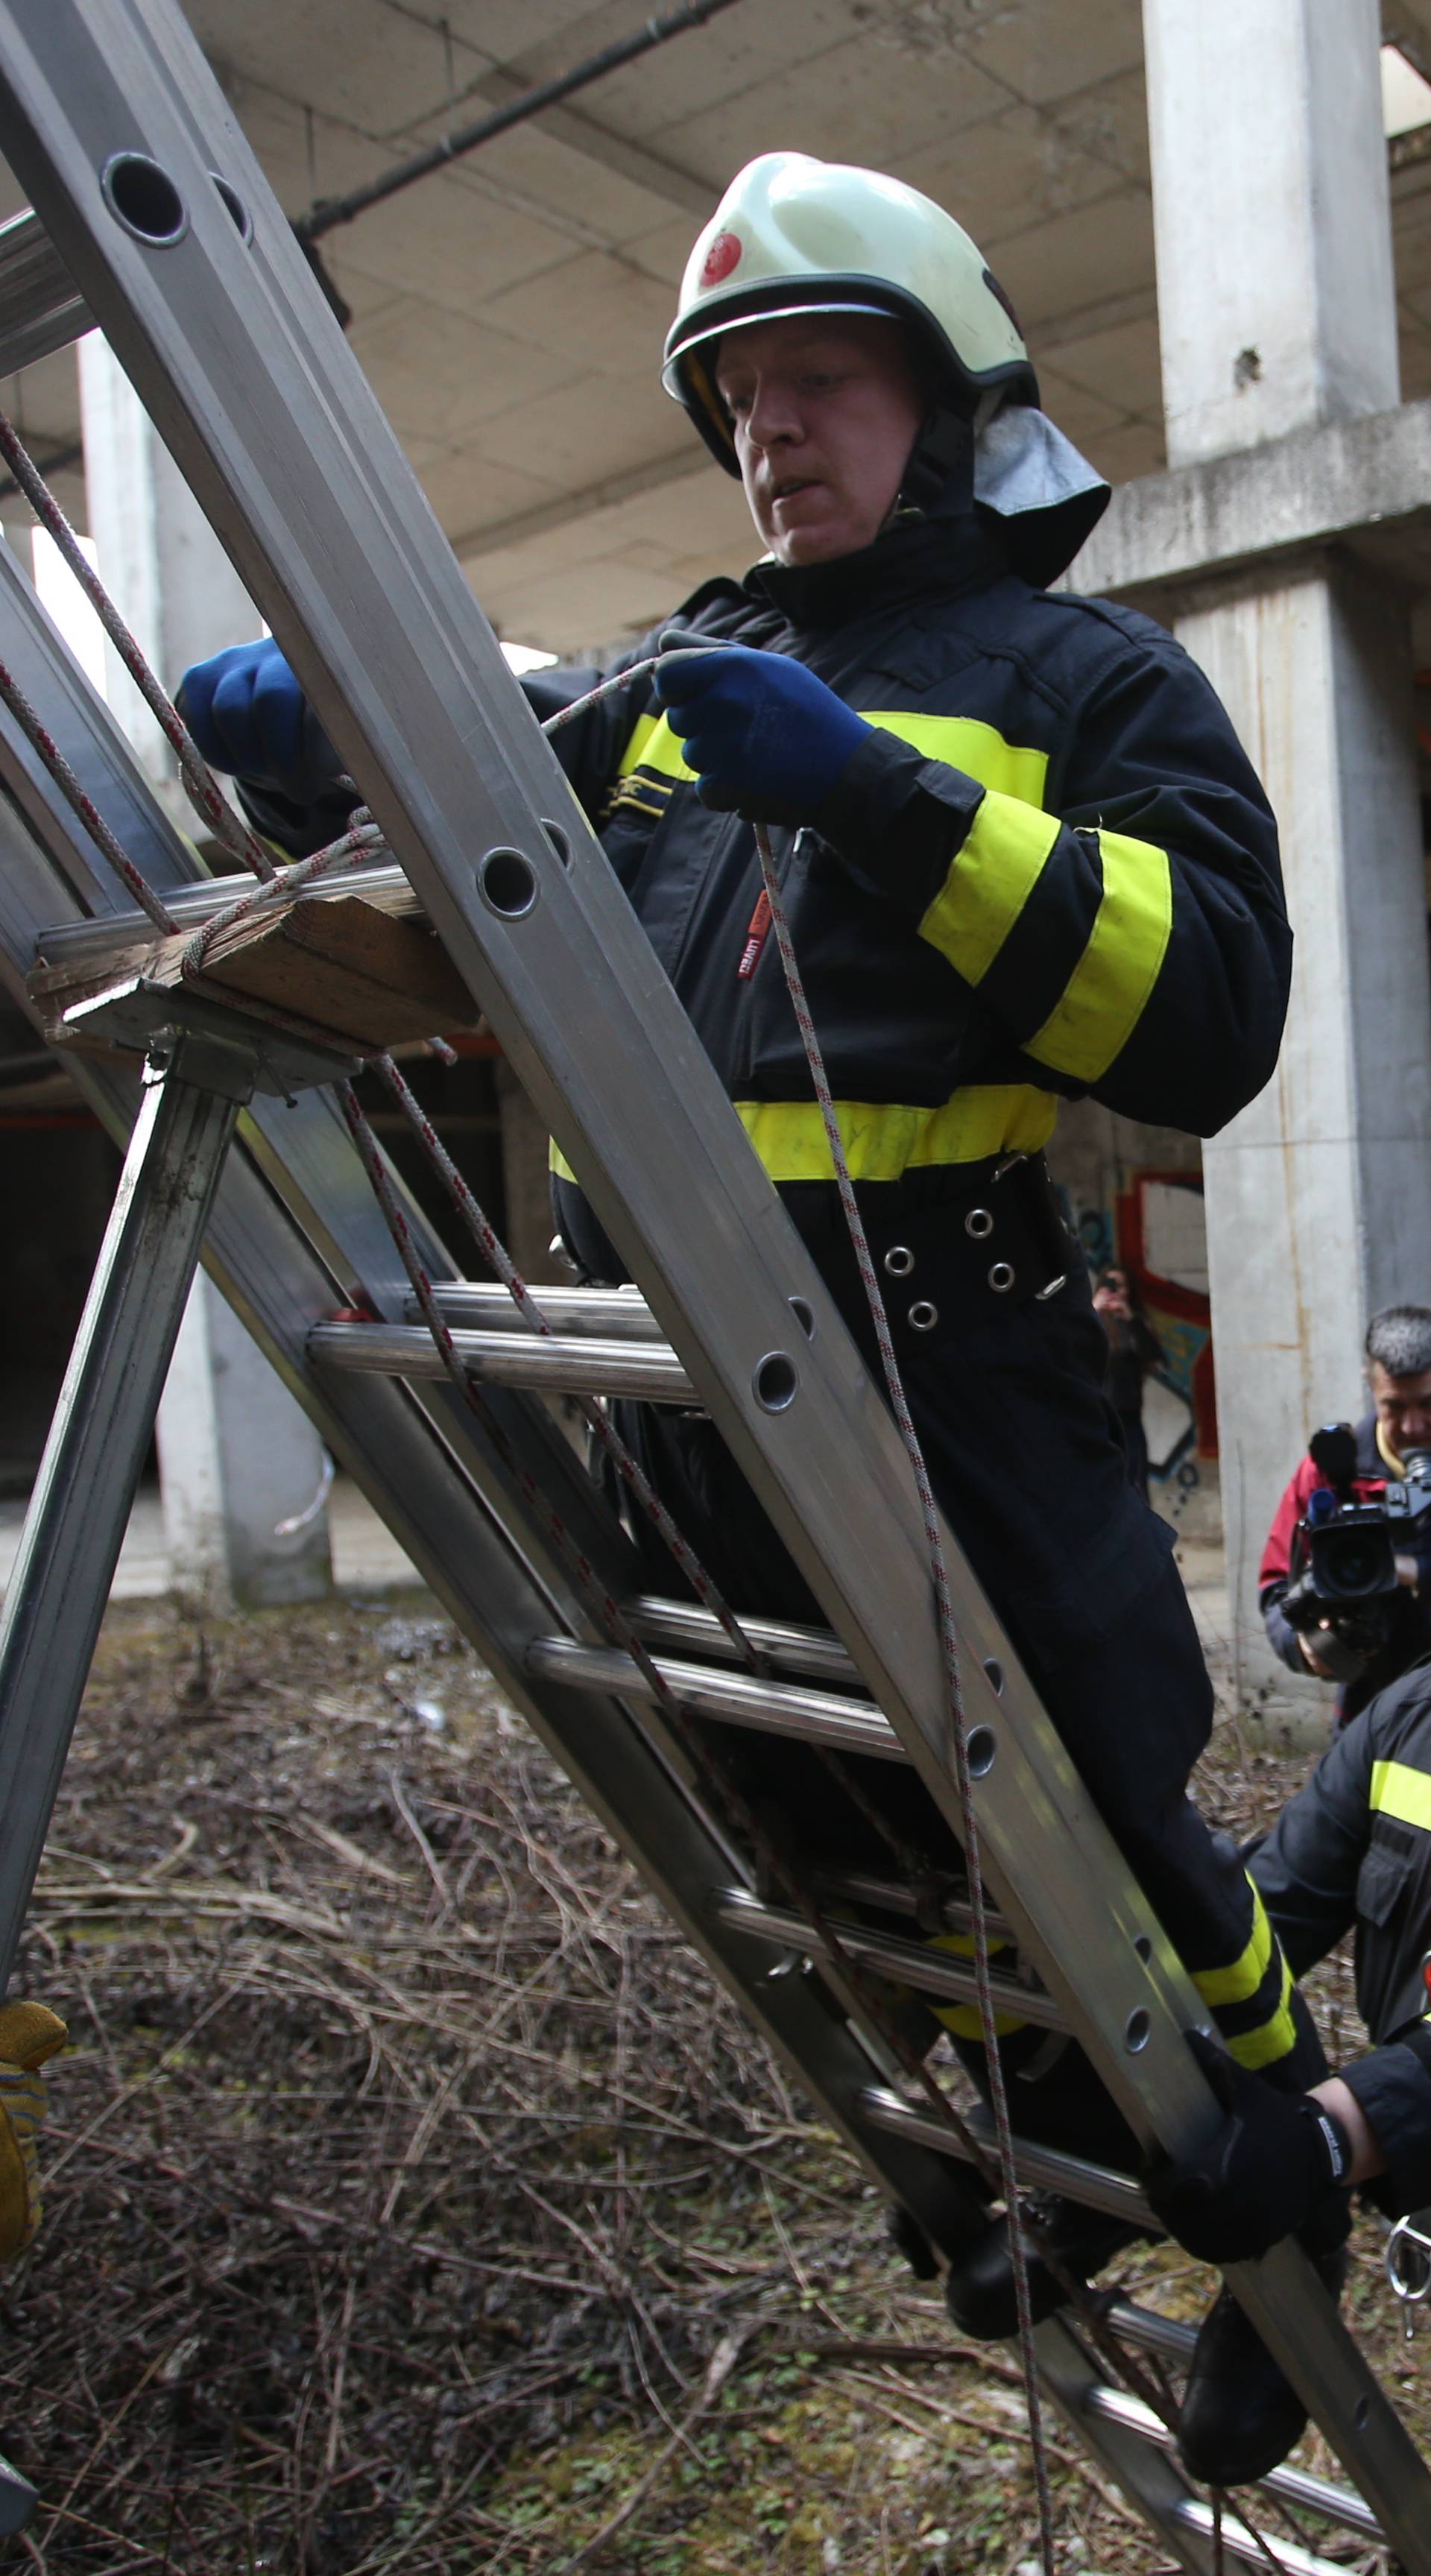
[{"x": 796, "y": 235}]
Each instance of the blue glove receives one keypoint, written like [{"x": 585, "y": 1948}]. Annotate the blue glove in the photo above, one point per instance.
[
  {"x": 249, "y": 716},
  {"x": 765, "y": 737}
]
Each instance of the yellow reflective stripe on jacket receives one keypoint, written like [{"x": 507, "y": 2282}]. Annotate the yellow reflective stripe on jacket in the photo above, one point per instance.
[
  {"x": 1397, "y": 1790},
  {"x": 1002, "y": 859},
  {"x": 883, "y": 1140},
  {"x": 653, "y": 746},
  {"x": 1234, "y": 1985},
  {"x": 1103, "y": 1000},
  {"x": 978, "y": 749},
  {"x": 1276, "y": 2037}
]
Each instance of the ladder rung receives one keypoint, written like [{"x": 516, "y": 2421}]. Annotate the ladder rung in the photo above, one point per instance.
[
  {"x": 76, "y": 944},
  {"x": 773, "y": 1708},
  {"x": 1295, "y": 2486},
  {"x": 589, "y": 1314},
  {"x": 649, "y": 1371},
  {"x": 1239, "y": 2542},
  {"x": 1038, "y": 2168},
  {"x": 931, "y": 1972},
  {"x": 790, "y": 1648},
  {"x": 41, "y": 308},
  {"x": 898, "y": 1896}
]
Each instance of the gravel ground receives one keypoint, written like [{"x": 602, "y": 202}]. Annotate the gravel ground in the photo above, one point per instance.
[{"x": 416, "y": 2201}]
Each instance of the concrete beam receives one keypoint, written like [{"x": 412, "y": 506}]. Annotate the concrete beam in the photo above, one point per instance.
[
  {"x": 474, "y": 543},
  {"x": 610, "y": 151},
  {"x": 1365, "y": 482}
]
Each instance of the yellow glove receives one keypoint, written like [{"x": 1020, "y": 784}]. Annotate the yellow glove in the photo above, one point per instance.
[{"x": 28, "y": 2035}]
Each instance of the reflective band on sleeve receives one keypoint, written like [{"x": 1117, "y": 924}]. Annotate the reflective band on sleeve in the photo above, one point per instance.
[
  {"x": 1397, "y": 1790},
  {"x": 978, "y": 749},
  {"x": 1002, "y": 859},
  {"x": 882, "y": 1140},
  {"x": 1103, "y": 999},
  {"x": 1234, "y": 1985},
  {"x": 1276, "y": 2037}
]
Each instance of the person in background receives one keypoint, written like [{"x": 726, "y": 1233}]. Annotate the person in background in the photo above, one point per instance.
[
  {"x": 1134, "y": 1350},
  {"x": 1398, "y": 1373}
]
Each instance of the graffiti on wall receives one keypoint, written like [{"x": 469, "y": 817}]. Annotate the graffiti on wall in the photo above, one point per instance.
[{"x": 1156, "y": 1230}]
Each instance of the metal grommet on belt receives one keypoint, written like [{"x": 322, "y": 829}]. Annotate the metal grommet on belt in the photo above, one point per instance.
[
  {"x": 1001, "y": 1277},
  {"x": 899, "y": 1261},
  {"x": 979, "y": 1222},
  {"x": 924, "y": 1317}
]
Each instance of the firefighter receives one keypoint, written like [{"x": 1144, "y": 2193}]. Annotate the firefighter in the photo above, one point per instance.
[
  {"x": 1351, "y": 1852},
  {"x": 1024, "y": 859}
]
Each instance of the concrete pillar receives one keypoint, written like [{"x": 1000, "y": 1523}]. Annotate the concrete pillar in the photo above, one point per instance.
[
  {"x": 237, "y": 1456},
  {"x": 1277, "y": 312}
]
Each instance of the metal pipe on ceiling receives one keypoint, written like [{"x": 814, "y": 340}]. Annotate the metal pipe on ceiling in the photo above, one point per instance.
[{"x": 328, "y": 212}]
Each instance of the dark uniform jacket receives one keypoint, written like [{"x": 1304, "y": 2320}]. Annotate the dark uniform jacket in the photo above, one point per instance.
[
  {"x": 1353, "y": 1849},
  {"x": 1050, "y": 871}
]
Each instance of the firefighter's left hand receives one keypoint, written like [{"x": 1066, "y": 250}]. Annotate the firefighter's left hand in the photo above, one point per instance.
[
  {"x": 764, "y": 736},
  {"x": 28, "y": 2035}
]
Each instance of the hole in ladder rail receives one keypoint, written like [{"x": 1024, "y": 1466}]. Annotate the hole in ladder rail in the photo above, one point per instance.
[
  {"x": 804, "y": 1315},
  {"x": 981, "y": 1749},
  {"x": 1361, "y": 2413},
  {"x": 775, "y": 1382},
  {"x": 242, "y": 219},
  {"x": 144, "y": 198},
  {"x": 994, "y": 1675},
  {"x": 558, "y": 840},
  {"x": 1137, "y": 2031},
  {"x": 507, "y": 884},
  {"x": 1143, "y": 1946}
]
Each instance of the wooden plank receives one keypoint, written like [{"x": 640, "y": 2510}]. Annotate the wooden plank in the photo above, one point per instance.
[{"x": 364, "y": 978}]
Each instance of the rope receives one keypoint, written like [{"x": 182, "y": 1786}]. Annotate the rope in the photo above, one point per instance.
[
  {"x": 969, "y": 1834},
  {"x": 88, "y": 812},
  {"x": 202, "y": 787}
]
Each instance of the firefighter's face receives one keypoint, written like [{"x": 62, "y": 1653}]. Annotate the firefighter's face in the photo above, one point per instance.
[
  {"x": 1403, "y": 1408},
  {"x": 826, "y": 408}
]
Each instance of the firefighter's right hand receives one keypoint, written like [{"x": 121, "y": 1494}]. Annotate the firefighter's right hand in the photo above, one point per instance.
[
  {"x": 28, "y": 2035},
  {"x": 248, "y": 716}
]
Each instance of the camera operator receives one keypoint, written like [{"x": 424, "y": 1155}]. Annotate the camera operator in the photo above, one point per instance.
[{"x": 1347, "y": 1647}]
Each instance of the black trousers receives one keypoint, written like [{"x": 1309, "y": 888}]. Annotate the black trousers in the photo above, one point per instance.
[{"x": 1028, "y": 1463}]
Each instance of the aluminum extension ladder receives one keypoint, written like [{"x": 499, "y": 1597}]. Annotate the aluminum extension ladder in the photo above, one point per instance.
[{"x": 153, "y": 218}]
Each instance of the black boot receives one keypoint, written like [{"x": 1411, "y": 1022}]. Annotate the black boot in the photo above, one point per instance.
[
  {"x": 1240, "y": 2417},
  {"x": 979, "y": 2290}
]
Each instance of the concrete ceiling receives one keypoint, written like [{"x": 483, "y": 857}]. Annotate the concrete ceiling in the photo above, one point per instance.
[{"x": 510, "y": 310}]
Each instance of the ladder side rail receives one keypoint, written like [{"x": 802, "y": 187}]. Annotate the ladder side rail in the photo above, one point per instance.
[
  {"x": 74, "y": 1526},
  {"x": 332, "y": 536}
]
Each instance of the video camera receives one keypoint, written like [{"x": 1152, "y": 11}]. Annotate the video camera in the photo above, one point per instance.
[{"x": 1347, "y": 1579}]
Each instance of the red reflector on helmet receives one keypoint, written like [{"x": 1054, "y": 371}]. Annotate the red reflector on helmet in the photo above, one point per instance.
[{"x": 724, "y": 255}]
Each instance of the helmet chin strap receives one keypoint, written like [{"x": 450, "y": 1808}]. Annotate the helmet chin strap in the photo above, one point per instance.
[{"x": 939, "y": 478}]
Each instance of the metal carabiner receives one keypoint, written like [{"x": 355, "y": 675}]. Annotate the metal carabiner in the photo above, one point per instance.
[{"x": 1413, "y": 2285}]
